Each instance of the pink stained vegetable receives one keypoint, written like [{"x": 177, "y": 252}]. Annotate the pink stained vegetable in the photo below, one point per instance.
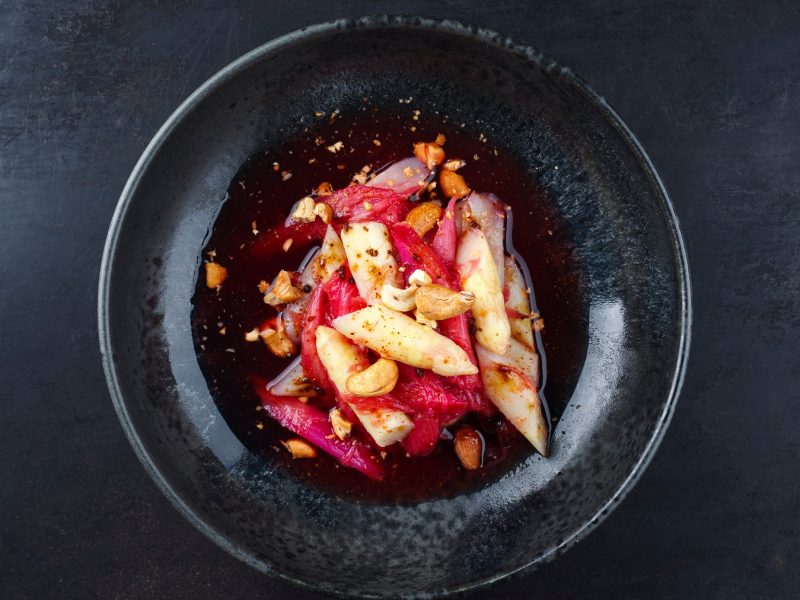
[
  {"x": 418, "y": 392},
  {"x": 303, "y": 235},
  {"x": 314, "y": 317},
  {"x": 342, "y": 295},
  {"x": 446, "y": 238},
  {"x": 312, "y": 425},
  {"x": 406, "y": 177},
  {"x": 359, "y": 203},
  {"x": 422, "y": 440},
  {"x": 413, "y": 252},
  {"x": 488, "y": 212}
]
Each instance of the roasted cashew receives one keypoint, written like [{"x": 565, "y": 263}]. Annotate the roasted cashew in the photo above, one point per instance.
[
  {"x": 376, "y": 380},
  {"x": 423, "y": 217},
  {"x": 401, "y": 300},
  {"x": 419, "y": 278},
  {"x": 438, "y": 302},
  {"x": 341, "y": 426}
]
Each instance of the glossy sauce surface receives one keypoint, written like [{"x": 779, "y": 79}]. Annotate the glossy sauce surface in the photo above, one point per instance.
[{"x": 261, "y": 196}]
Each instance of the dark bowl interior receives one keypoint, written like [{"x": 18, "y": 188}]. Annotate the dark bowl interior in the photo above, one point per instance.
[{"x": 634, "y": 285}]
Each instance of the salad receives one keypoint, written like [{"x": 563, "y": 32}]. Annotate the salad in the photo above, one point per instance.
[{"x": 409, "y": 315}]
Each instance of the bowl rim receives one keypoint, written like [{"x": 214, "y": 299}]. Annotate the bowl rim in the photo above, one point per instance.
[{"x": 393, "y": 22}]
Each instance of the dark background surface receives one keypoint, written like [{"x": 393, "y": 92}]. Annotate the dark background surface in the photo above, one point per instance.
[{"x": 712, "y": 91}]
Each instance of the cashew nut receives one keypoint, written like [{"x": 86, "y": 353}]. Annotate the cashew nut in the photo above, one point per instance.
[
  {"x": 430, "y": 153},
  {"x": 423, "y": 217},
  {"x": 324, "y": 212},
  {"x": 376, "y": 380},
  {"x": 282, "y": 291},
  {"x": 453, "y": 184},
  {"x": 304, "y": 210},
  {"x": 401, "y": 300},
  {"x": 438, "y": 302},
  {"x": 300, "y": 448},
  {"x": 277, "y": 341},
  {"x": 341, "y": 426},
  {"x": 420, "y": 318},
  {"x": 419, "y": 278}
]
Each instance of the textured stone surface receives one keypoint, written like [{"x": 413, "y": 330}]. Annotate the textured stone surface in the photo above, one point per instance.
[{"x": 710, "y": 91}]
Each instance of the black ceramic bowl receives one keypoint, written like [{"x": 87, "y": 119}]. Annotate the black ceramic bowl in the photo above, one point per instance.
[{"x": 634, "y": 287}]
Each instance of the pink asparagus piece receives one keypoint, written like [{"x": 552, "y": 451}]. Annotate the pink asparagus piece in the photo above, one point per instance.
[
  {"x": 413, "y": 252},
  {"x": 406, "y": 177},
  {"x": 312, "y": 424},
  {"x": 359, "y": 203}
]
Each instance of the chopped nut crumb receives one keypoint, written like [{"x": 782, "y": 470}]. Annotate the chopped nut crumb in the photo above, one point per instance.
[
  {"x": 259, "y": 425},
  {"x": 287, "y": 244},
  {"x": 300, "y": 448},
  {"x": 376, "y": 142},
  {"x": 319, "y": 114},
  {"x": 286, "y": 175},
  {"x": 277, "y": 341},
  {"x": 304, "y": 210},
  {"x": 341, "y": 426},
  {"x": 454, "y": 164},
  {"x": 276, "y": 167},
  {"x": 334, "y": 148},
  {"x": 311, "y": 161},
  {"x": 252, "y": 335},
  {"x": 262, "y": 286},
  {"x": 254, "y": 228},
  {"x": 215, "y": 275},
  {"x": 440, "y": 139},
  {"x": 324, "y": 189},
  {"x": 324, "y": 212},
  {"x": 408, "y": 172},
  {"x": 222, "y": 331},
  {"x": 282, "y": 291}
]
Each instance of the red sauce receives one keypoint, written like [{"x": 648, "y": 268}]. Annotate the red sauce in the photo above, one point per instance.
[{"x": 263, "y": 192}]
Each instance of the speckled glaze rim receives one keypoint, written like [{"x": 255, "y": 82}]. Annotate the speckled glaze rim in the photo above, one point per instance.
[{"x": 450, "y": 27}]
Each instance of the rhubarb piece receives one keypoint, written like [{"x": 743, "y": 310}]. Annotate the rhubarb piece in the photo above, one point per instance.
[
  {"x": 312, "y": 424},
  {"x": 358, "y": 203}
]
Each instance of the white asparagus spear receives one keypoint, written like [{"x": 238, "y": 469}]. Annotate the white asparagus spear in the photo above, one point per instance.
[
  {"x": 490, "y": 214},
  {"x": 405, "y": 177},
  {"x": 292, "y": 382},
  {"x": 341, "y": 358},
  {"x": 328, "y": 258},
  {"x": 519, "y": 303},
  {"x": 480, "y": 275},
  {"x": 399, "y": 337},
  {"x": 369, "y": 253},
  {"x": 511, "y": 391},
  {"x": 318, "y": 269}
]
